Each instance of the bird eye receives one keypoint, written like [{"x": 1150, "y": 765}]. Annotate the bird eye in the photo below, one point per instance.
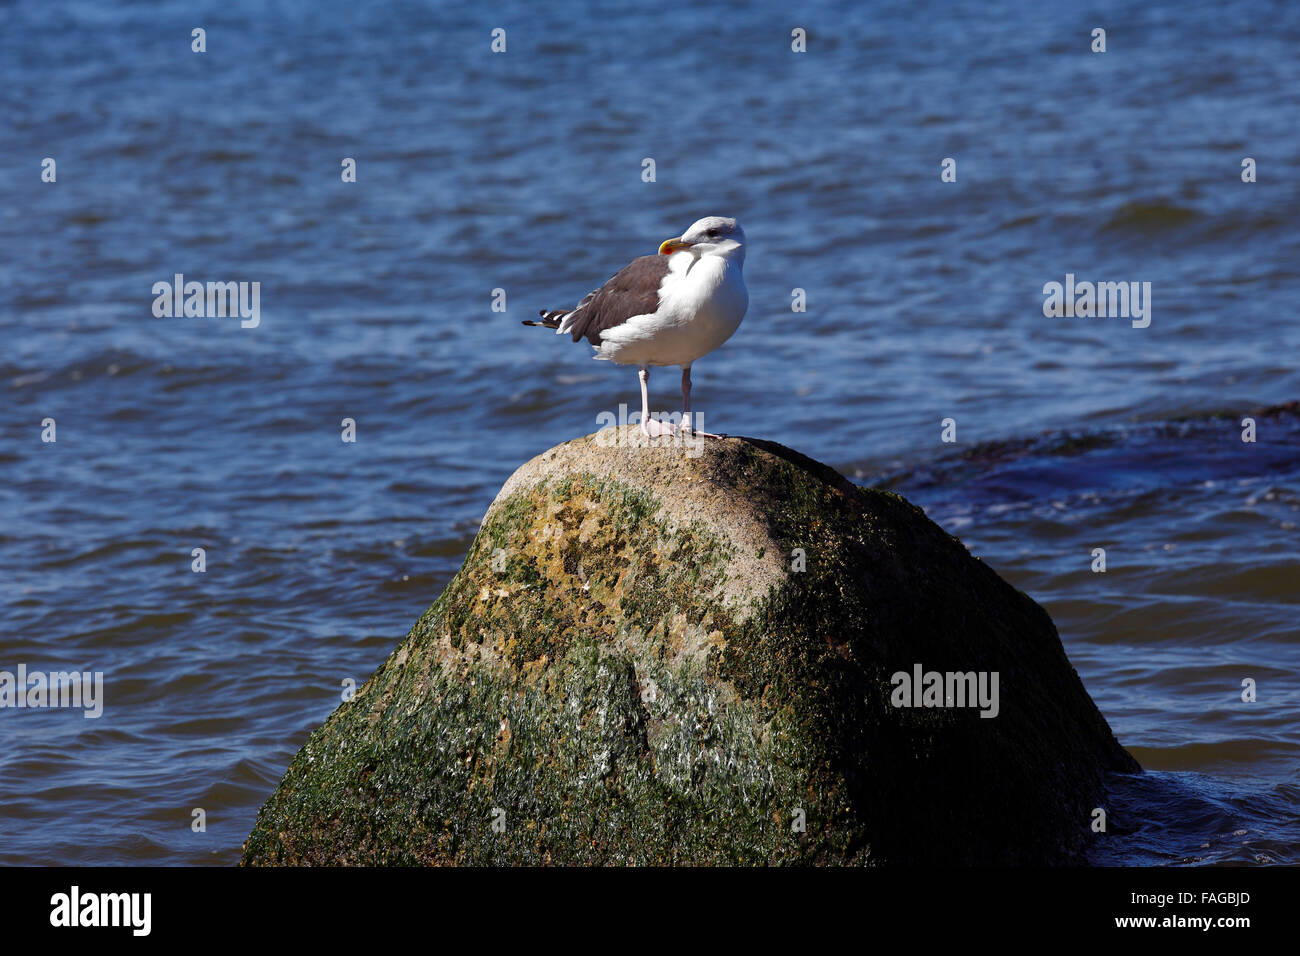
[{"x": 712, "y": 234}]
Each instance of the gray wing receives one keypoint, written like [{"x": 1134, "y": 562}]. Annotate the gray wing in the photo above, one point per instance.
[{"x": 633, "y": 290}]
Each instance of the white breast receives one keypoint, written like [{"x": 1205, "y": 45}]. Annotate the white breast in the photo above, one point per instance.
[{"x": 700, "y": 306}]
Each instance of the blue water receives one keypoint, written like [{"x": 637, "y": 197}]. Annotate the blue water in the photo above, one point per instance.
[{"x": 522, "y": 171}]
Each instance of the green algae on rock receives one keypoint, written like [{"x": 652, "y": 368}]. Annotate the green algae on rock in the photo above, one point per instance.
[{"x": 659, "y": 654}]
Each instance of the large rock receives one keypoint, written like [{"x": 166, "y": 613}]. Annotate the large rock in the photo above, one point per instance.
[{"x": 631, "y": 667}]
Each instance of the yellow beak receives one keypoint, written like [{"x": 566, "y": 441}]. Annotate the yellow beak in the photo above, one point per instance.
[{"x": 669, "y": 246}]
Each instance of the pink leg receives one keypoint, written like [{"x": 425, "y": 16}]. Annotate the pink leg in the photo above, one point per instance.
[
  {"x": 686, "y": 406},
  {"x": 651, "y": 427}
]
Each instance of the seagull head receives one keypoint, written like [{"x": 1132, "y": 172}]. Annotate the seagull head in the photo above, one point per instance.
[{"x": 710, "y": 236}]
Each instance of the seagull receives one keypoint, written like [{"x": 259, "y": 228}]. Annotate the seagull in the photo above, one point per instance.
[{"x": 666, "y": 309}]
